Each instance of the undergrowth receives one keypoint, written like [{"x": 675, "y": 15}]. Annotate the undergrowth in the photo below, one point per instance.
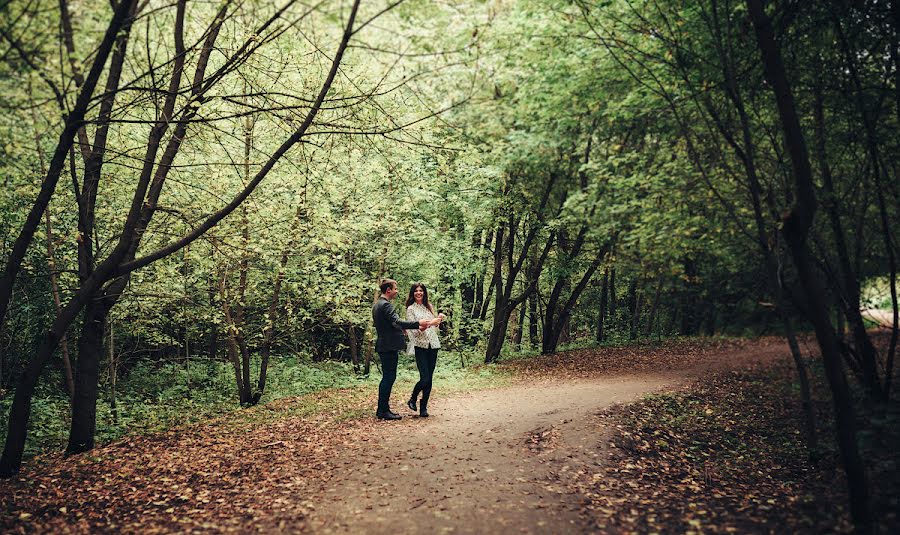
[{"x": 153, "y": 397}]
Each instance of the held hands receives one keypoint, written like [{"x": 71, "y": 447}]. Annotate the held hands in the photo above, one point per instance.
[{"x": 424, "y": 324}]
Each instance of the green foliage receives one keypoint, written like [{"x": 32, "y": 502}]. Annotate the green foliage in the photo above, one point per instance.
[
  {"x": 613, "y": 123},
  {"x": 155, "y": 397}
]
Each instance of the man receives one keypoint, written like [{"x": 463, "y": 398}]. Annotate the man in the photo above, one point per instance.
[{"x": 390, "y": 341}]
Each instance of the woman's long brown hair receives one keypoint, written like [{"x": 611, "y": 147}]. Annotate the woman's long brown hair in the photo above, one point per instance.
[{"x": 412, "y": 297}]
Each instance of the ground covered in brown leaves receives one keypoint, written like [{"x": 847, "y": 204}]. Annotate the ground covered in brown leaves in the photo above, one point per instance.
[
  {"x": 726, "y": 456},
  {"x": 720, "y": 454},
  {"x": 240, "y": 473}
]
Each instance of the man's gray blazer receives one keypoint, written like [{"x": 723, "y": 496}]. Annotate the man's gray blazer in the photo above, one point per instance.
[{"x": 389, "y": 327}]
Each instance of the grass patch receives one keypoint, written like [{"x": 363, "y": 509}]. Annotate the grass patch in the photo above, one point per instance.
[{"x": 152, "y": 398}]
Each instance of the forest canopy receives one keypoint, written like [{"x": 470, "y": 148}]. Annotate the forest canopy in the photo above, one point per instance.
[{"x": 222, "y": 184}]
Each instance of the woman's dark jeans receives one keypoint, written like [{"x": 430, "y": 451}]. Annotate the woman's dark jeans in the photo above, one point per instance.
[{"x": 426, "y": 360}]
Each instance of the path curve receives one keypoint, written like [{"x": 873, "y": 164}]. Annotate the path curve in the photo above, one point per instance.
[{"x": 491, "y": 461}]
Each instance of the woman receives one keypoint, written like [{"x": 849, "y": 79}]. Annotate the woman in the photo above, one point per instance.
[{"x": 425, "y": 343}]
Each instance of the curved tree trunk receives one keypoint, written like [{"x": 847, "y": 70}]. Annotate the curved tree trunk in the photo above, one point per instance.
[{"x": 796, "y": 229}]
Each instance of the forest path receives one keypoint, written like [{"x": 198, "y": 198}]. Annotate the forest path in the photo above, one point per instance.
[
  {"x": 493, "y": 461},
  {"x": 500, "y": 460},
  {"x": 882, "y": 317}
]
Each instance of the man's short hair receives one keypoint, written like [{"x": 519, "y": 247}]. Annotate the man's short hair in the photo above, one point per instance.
[{"x": 387, "y": 284}]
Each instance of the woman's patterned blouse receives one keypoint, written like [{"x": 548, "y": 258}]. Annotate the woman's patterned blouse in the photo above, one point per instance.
[{"x": 417, "y": 312}]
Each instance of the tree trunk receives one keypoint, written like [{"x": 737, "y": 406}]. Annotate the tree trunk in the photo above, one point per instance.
[
  {"x": 354, "y": 346},
  {"x": 90, "y": 352},
  {"x": 551, "y": 330},
  {"x": 51, "y": 262},
  {"x": 234, "y": 352},
  {"x": 20, "y": 411},
  {"x": 497, "y": 335},
  {"x": 235, "y": 348},
  {"x": 601, "y": 314},
  {"x": 654, "y": 307},
  {"x": 796, "y": 229},
  {"x": 633, "y": 308},
  {"x": 467, "y": 290},
  {"x": 479, "y": 310},
  {"x": 121, "y": 260},
  {"x": 520, "y": 326},
  {"x": 212, "y": 345},
  {"x": 533, "y": 320},
  {"x": 613, "y": 300},
  {"x": 747, "y": 155},
  {"x": 244, "y": 268},
  {"x": 709, "y": 320},
  {"x": 868, "y": 353},
  {"x": 689, "y": 324},
  {"x": 840, "y": 321},
  {"x": 504, "y": 302},
  {"x": 113, "y": 372},
  {"x": 559, "y": 332},
  {"x": 565, "y": 335}
]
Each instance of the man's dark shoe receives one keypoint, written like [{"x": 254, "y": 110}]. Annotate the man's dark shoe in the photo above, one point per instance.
[
  {"x": 388, "y": 415},
  {"x": 423, "y": 413},
  {"x": 412, "y": 404}
]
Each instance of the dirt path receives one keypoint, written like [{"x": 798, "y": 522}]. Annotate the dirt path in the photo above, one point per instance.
[
  {"x": 488, "y": 462},
  {"x": 883, "y": 318}
]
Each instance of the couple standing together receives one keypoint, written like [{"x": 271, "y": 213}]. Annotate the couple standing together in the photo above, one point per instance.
[{"x": 421, "y": 324}]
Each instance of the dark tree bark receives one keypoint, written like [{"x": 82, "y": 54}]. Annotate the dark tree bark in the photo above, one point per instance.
[
  {"x": 565, "y": 313},
  {"x": 634, "y": 307},
  {"x": 796, "y": 230},
  {"x": 654, "y": 307},
  {"x": 504, "y": 304},
  {"x": 113, "y": 373},
  {"x": 269, "y": 327},
  {"x": 520, "y": 326},
  {"x": 69, "y": 378},
  {"x": 613, "y": 300},
  {"x": 234, "y": 350},
  {"x": 847, "y": 284},
  {"x": 482, "y": 296},
  {"x": 880, "y": 181},
  {"x": 472, "y": 289},
  {"x": 212, "y": 344},
  {"x": 87, "y": 374},
  {"x": 690, "y": 325},
  {"x": 747, "y": 155},
  {"x": 533, "y": 319},
  {"x": 90, "y": 354}
]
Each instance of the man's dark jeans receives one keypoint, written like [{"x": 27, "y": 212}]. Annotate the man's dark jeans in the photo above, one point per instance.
[{"x": 388, "y": 376}]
